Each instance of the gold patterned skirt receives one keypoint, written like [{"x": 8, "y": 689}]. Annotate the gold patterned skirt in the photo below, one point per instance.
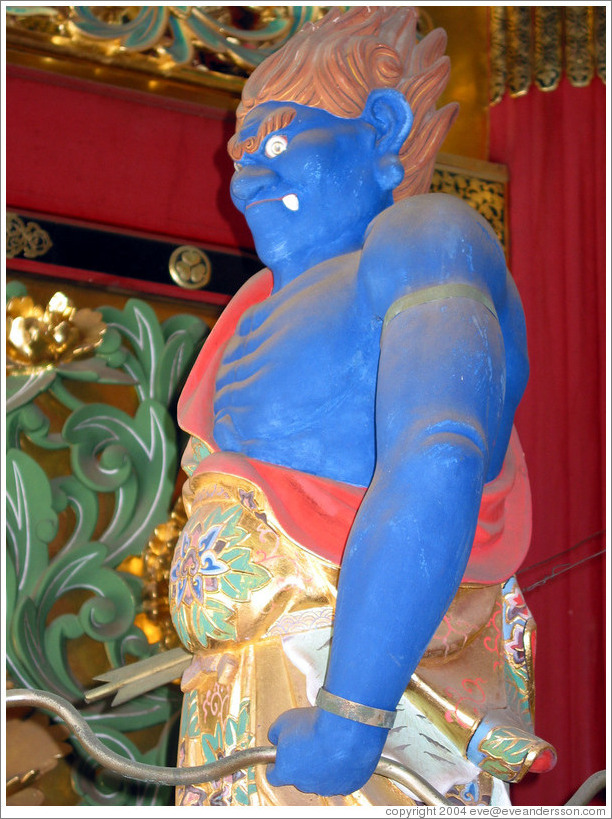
[{"x": 256, "y": 611}]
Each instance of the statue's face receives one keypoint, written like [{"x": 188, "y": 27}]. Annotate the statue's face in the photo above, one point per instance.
[{"x": 309, "y": 190}]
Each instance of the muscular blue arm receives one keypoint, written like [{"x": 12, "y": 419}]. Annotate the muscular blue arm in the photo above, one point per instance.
[
  {"x": 439, "y": 402},
  {"x": 412, "y": 538}
]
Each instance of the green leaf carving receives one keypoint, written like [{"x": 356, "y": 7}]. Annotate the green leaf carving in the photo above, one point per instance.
[
  {"x": 15, "y": 290},
  {"x": 31, "y": 522},
  {"x": 125, "y": 467},
  {"x": 69, "y": 492},
  {"x": 182, "y": 339},
  {"x": 26, "y": 656},
  {"x": 138, "y": 324},
  {"x": 133, "y": 457},
  {"x": 160, "y": 355},
  {"x": 30, "y": 421},
  {"x": 21, "y": 389},
  {"x": 93, "y": 369}
]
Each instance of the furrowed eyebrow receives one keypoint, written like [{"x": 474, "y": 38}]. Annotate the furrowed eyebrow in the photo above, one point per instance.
[{"x": 280, "y": 118}]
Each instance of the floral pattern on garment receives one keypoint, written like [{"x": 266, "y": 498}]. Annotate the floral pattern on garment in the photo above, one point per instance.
[
  {"x": 210, "y": 566},
  {"x": 230, "y": 735}
]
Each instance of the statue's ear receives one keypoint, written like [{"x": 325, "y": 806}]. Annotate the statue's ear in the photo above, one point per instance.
[{"x": 389, "y": 112}]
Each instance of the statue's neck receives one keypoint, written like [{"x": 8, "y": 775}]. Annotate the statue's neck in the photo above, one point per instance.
[{"x": 288, "y": 270}]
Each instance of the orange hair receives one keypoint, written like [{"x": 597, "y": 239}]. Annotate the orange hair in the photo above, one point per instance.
[{"x": 335, "y": 63}]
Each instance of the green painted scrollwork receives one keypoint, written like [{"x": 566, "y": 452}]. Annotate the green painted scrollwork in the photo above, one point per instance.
[
  {"x": 179, "y": 29},
  {"x": 69, "y": 535}
]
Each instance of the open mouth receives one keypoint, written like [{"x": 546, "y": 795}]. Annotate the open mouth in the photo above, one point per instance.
[{"x": 290, "y": 201}]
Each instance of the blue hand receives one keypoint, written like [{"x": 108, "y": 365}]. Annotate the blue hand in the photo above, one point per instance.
[{"x": 322, "y": 753}]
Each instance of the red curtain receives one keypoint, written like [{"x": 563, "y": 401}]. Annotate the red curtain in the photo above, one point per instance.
[{"x": 554, "y": 147}]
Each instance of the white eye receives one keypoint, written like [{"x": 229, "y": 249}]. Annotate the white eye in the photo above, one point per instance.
[{"x": 275, "y": 146}]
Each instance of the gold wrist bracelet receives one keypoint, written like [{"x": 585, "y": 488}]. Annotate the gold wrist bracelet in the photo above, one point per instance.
[{"x": 353, "y": 710}]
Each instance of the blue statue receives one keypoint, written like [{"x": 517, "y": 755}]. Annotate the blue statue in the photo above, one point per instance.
[{"x": 353, "y": 408}]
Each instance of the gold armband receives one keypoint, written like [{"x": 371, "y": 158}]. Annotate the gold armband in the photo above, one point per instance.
[{"x": 437, "y": 293}]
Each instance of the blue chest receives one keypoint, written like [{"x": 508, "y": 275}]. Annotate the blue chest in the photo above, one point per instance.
[{"x": 297, "y": 382}]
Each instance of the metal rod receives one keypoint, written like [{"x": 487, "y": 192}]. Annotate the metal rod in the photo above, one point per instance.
[
  {"x": 589, "y": 789},
  {"x": 197, "y": 774}
]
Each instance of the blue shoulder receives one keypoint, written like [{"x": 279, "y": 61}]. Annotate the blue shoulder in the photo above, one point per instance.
[{"x": 427, "y": 240}]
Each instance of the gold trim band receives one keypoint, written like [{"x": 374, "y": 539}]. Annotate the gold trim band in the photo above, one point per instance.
[
  {"x": 438, "y": 292},
  {"x": 353, "y": 710}
]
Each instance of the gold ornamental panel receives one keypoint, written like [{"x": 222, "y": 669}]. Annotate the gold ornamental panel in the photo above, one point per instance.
[
  {"x": 519, "y": 50},
  {"x": 26, "y": 239},
  {"x": 538, "y": 45},
  {"x": 482, "y": 184}
]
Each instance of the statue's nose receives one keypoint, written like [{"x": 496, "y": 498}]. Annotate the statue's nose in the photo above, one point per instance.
[{"x": 249, "y": 180}]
